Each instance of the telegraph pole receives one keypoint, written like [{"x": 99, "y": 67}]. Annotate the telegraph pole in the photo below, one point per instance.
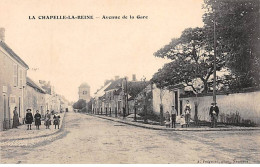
[
  {"x": 127, "y": 107},
  {"x": 214, "y": 81},
  {"x": 145, "y": 107}
]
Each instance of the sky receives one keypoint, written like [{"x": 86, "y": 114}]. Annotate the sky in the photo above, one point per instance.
[{"x": 70, "y": 52}]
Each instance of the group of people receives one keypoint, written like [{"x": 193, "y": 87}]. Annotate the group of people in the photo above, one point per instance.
[
  {"x": 37, "y": 118},
  {"x": 170, "y": 118}
]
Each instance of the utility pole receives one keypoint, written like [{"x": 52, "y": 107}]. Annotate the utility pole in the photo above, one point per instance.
[
  {"x": 145, "y": 107},
  {"x": 214, "y": 81},
  {"x": 135, "y": 109},
  {"x": 127, "y": 107}
]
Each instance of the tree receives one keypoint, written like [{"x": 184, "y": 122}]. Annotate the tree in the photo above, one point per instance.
[
  {"x": 89, "y": 105},
  {"x": 192, "y": 59},
  {"x": 80, "y": 104},
  {"x": 237, "y": 31}
]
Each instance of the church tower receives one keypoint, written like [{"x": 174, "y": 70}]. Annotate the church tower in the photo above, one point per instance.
[{"x": 84, "y": 92}]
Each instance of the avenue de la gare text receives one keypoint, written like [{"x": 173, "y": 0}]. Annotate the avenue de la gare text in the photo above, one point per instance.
[{"x": 85, "y": 17}]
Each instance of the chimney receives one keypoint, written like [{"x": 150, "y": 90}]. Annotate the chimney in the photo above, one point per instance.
[
  {"x": 134, "y": 77},
  {"x": 116, "y": 77},
  {"x": 2, "y": 34}
]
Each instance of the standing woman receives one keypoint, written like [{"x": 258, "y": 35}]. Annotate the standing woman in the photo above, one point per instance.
[
  {"x": 187, "y": 113},
  {"x": 47, "y": 120},
  {"x": 37, "y": 118},
  {"x": 29, "y": 119},
  {"x": 15, "y": 118},
  {"x": 56, "y": 120}
]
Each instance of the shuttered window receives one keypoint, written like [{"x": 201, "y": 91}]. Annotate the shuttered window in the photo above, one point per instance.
[
  {"x": 20, "y": 78},
  {"x": 15, "y": 76}
]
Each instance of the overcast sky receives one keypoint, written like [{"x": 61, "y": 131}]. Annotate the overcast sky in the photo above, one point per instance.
[{"x": 69, "y": 52}]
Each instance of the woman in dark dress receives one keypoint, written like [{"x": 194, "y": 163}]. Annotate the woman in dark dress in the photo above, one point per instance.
[
  {"x": 15, "y": 118},
  {"x": 29, "y": 119},
  {"x": 37, "y": 118},
  {"x": 56, "y": 120},
  {"x": 47, "y": 120}
]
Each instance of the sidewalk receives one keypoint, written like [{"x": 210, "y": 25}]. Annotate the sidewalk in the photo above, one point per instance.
[
  {"x": 21, "y": 136},
  {"x": 178, "y": 128}
]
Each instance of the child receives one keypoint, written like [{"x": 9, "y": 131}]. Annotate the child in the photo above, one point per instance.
[
  {"x": 167, "y": 119},
  {"x": 182, "y": 120},
  {"x": 56, "y": 120}
]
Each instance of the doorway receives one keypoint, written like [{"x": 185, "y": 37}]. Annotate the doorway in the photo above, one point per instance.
[
  {"x": 5, "y": 113},
  {"x": 176, "y": 101},
  {"x": 19, "y": 107},
  {"x": 181, "y": 107}
]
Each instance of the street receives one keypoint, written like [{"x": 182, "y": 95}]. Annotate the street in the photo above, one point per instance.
[{"x": 87, "y": 139}]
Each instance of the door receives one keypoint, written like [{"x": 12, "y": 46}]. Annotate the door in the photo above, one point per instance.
[
  {"x": 180, "y": 107},
  {"x": 5, "y": 113},
  {"x": 19, "y": 107},
  {"x": 176, "y": 101},
  {"x": 8, "y": 115}
]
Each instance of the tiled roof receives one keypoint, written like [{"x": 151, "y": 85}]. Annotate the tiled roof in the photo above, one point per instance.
[
  {"x": 31, "y": 83},
  {"x": 115, "y": 84},
  {"x": 101, "y": 91},
  {"x": 12, "y": 54}
]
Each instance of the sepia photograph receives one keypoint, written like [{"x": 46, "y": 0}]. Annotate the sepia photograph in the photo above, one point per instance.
[{"x": 130, "y": 82}]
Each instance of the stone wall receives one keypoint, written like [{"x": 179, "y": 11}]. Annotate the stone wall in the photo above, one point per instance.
[{"x": 247, "y": 105}]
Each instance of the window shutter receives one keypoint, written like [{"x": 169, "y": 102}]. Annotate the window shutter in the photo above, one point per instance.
[
  {"x": 15, "y": 76},
  {"x": 20, "y": 78}
]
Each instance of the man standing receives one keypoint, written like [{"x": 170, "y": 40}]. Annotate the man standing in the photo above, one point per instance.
[
  {"x": 213, "y": 112},
  {"x": 173, "y": 116}
]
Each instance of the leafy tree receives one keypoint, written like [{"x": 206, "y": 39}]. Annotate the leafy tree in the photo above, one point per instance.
[
  {"x": 237, "y": 31},
  {"x": 80, "y": 104},
  {"x": 89, "y": 105},
  {"x": 192, "y": 59}
]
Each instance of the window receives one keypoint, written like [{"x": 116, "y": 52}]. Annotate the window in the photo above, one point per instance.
[
  {"x": 15, "y": 76},
  {"x": 85, "y": 92}
]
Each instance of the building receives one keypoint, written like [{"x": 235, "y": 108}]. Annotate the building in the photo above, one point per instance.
[
  {"x": 52, "y": 99},
  {"x": 165, "y": 98},
  {"x": 98, "y": 101},
  {"x": 117, "y": 95},
  {"x": 64, "y": 103},
  {"x": 13, "y": 72},
  {"x": 140, "y": 97},
  {"x": 34, "y": 97},
  {"x": 84, "y": 92},
  {"x": 114, "y": 100}
]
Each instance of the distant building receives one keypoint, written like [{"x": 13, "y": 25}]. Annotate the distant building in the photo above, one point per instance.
[
  {"x": 118, "y": 95},
  {"x": 84, "y": 92},
  {"x": 34, "y": 97},
  {"x": 13, "y": 72}
]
